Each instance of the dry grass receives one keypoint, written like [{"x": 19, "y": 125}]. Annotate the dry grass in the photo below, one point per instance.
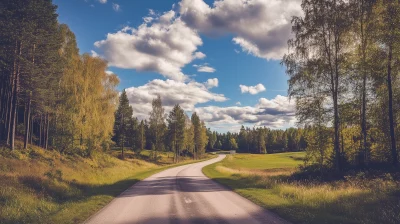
[
  {"x": 39, "y": 186},
  {"x": 356, "y": 199}
]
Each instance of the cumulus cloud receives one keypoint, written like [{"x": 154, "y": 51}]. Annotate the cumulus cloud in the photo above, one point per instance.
[
  {"x": 172, "y": 92},
  {"x": 116, "y": 7},
  {"x": 205, "y": 68},
  {"x": 163, "y": 46},
  {"x": 274, "y": 113},
  {"x": 278, "y": 112},
  {"x": 253, "y": 90},
  {"x": 103, "y": 1},
  {"x": 238, "y": 103},
  {"x": 211, "y": 83},
  {"x": 260, "y": 27}
]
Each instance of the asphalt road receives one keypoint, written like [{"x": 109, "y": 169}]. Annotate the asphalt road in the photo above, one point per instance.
[{"x": 182, "y": 195}]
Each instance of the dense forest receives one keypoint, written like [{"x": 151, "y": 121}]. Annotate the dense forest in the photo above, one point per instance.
[
  {"x": 55, "y": 98},
  {"x": 50, "y": 95},
  {"x": 343, "y": 66}
]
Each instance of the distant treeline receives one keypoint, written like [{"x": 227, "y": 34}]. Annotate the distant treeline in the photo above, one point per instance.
[
  {"x": 175, "y": 132},
  {"x": 258, "y": 140}
]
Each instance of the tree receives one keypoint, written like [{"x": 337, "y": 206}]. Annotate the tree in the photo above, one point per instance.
[
  {"x": 212, "y": 138},
  {"x": 319, "y": 50},
  {"x": 197, "y": 134},
  {"x": 123, "y": 121},
  {"x": 30, "y": 64},
  {"x": 363, "y": 30},
  {"x": 157, "y": 124},
  {"x": 141, "y": 136},
  {"x": 388, "y": 35},
  {"x": 233, "y": 144},
  {"x": 203, "y": 139},
  {"x": 261, "y": 141},
  {"x": 133, "y": 134},
  {"x": 243, "y": 144},
  {"x": 176, "y": 130}
]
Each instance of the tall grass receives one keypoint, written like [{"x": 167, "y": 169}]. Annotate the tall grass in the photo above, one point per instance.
[
  {"x": 38, "y": 186},
  {"x": 355, "y": 199}
]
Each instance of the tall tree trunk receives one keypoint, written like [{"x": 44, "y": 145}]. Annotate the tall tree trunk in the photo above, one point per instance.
[
  {"x": 28, "y": 106},
  {"x": 395, "y": 159},
  {"x": 122, "y": 136},
  {"x": 40, "y": 130},
  {"x": 364, "y": 157},
  {"x": 27, "y": 121},
  {"x": 15, "y": 103},
  {"x": 47, "y": 131},
  {"x": 11, "y": 93},
  {"x": 31, "y": 131}
]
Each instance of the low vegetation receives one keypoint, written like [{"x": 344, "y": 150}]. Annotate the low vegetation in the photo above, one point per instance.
[
  {"x": 41, "y": 186},
  {"x": 276, "y": 183}
]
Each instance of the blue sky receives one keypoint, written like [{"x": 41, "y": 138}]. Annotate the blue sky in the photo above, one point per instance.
[{"x": 241, "y": 44}]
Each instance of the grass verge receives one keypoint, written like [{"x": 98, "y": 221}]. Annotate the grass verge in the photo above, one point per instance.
[
  {"x": 39, "y": 186},
  {"x": 268, "y": 181}
]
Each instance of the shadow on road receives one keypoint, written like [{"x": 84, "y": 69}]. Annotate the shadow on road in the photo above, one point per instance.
[{"x": 169, "y": 185}]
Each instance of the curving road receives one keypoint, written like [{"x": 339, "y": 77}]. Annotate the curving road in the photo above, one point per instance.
[{"x": 182, "y": 195}]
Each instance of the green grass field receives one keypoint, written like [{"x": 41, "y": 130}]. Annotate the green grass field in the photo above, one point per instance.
[
  {"x": 264, "y": 179},
  {"x": 38, "y": 186},
  {"x": 265, "y": 162}
]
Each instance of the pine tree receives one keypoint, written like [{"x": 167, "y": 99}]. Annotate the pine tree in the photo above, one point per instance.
[
  {"x": 196, "y": 135},
  {"x": 123, "y": 121},
  {"x": 157, "y": 125},
  {"x": 176, "y": 130},
  {"x": 141, "y": 138}
]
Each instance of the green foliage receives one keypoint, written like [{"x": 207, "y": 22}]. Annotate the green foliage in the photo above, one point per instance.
[
  {"x": 124, "y": 125},
  {"x": 176, "y": 130},
  {"x": 343, "y": 68},
  {"x": 233, "y": 144},
  {"x": 67, "y": 100}
]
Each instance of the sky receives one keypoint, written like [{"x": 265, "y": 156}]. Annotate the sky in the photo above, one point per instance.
[{"x": 220, "y": 59}]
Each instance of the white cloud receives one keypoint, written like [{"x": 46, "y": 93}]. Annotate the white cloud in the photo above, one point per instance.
[
  {"x": 260, "y": 27},
  {"x": 110, "y": 72},
  {"x": 253, "y": 90},
  {"x": 275, "y": 113},
  {"x": 164, "y": 47},
  {"x": 211, "y": 83},
  {"x": 148, "y": 19},
  {"x": 172, "y": 92},
  {"x": 238, "y": 103},
  {"x": 204, "y": 68},
  {"x": 199, "y": 55},
  {"x": 116, "y": 7},
  {"x": 103, "y": 1},
  {"x": 94, "y": 53}
]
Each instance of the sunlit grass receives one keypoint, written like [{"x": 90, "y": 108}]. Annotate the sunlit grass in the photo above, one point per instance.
[
  {"x": 39, "y": 186},
  {"x": 265, "y": 180}
]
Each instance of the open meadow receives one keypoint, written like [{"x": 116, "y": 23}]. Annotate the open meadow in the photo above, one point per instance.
[{"x": 275, "y": 182}]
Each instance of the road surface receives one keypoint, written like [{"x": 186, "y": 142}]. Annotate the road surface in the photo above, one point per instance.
[{"x": 182, "y": 195}]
